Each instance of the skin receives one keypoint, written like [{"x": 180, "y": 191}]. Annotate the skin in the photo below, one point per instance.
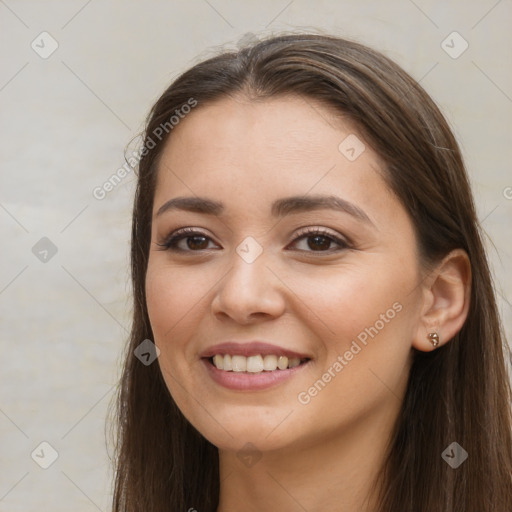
[{"x": 321, "y": 455}]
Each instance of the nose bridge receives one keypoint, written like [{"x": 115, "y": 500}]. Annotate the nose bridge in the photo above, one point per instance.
[
  {"x": 249, "y": 262},
  {"x": 249, "y": 287},
  {"x": 248, "y": 266}
]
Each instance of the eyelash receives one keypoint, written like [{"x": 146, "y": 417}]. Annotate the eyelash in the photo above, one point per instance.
[{"x": 170, "y": 243}]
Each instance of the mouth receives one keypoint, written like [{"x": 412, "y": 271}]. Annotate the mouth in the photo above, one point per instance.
[
  {"x": 253, "y": 373},
  {"x": 256, "y": 364},
  {"x": 252, "y": 366}
]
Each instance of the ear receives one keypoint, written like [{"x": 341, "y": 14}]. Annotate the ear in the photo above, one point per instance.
[{"x": 446, "y": 296}]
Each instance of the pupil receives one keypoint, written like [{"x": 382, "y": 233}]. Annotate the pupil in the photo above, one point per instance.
[{"x": 325, "y": 245}]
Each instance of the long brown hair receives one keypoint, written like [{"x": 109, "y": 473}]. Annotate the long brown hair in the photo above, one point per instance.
[{"x": 460, "y": 392}]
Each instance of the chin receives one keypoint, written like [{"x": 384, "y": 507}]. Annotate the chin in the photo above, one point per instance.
[{"x": 231, "y": 433}]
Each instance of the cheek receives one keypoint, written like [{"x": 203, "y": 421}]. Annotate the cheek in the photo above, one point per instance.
[
  {"x": 351, "y": 299},
  {"x": 172, "y": 295},
  {"x": 366, "y": 316},
  {"x": 374, "y": 320},
  {"x": 174, "y": 304}
]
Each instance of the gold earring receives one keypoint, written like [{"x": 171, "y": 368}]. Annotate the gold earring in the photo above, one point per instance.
[{"x": 434, "y": 338}]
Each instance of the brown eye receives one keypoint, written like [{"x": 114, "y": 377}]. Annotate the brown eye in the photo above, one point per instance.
[
  {"x": 196, "y": 242},
  {"x": 320, "y": 240}
]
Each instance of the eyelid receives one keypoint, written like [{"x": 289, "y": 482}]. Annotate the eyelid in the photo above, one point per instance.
[
  {"x": 180, "y": 234},
  {"x": 318, "y": 230},
  {"x": 341, "y": 241}
]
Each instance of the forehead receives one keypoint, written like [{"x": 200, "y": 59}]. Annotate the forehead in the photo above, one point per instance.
[
  {"x": 281, "y": 142},
  {"x": 281, "y": 123}
]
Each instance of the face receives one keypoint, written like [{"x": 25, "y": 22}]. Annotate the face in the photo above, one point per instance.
[{"x": 282, "y": 292}]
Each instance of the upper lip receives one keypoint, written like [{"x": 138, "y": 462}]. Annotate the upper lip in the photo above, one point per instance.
[{"x": 250, "y": 348}]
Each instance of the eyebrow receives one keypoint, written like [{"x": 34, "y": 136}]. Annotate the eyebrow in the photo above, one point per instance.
[{"x": 280, "y": 207}]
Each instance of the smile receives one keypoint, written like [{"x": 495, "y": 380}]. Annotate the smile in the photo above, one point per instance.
[
  {"x": 252, "y": 373},
  {"x": 254, "y": 364}
]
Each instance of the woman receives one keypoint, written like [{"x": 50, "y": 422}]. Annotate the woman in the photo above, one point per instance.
[{"x": 307, "y": 260}]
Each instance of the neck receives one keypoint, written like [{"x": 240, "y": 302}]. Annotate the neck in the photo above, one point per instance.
[{"x": 335, "y": 473}]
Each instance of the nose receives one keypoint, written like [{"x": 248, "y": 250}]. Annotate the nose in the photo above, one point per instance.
[{"x": 249, "y": 292}]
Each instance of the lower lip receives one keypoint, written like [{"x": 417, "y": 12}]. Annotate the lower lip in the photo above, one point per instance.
[{"x": 243, "y": 381}]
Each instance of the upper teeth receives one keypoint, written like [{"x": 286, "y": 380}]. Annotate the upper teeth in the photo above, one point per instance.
[{"x": 254, "y": 364}]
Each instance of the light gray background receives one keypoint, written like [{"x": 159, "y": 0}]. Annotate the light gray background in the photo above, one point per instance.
[{"x": 65, "y": 122}]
